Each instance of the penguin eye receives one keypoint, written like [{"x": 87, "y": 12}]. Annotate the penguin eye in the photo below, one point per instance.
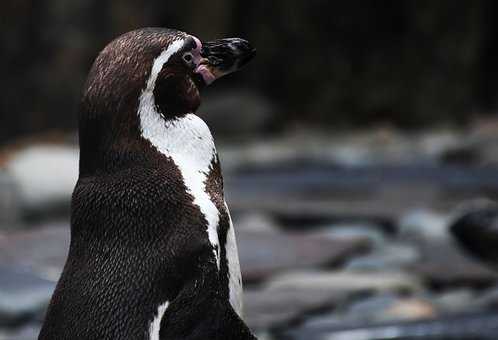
[{"x": 188, "y": 57}]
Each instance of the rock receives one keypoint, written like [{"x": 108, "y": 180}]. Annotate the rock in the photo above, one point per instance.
[
  {"x": 288, "y": 297},
  {"x": 443, "y": 265},
  {"x": 237, "y": 112},
  {"x": 390, "y": 256},
  {"x": 467, "y": 326},
  {"x": 262, "y": 254},
  {"x": 409, "y": 309},
  {"x": 42, "y": 250},
  {"x": 374, "y": 309},
  {"x": 267, "y": 308},
  {"x": 255, "y": 222},
  {"x": 45, "y": 176},
  {"x": 455, "y": 301},
  {"x": 23, "y": 295},
  {"x": 488, "y": 299},
  {"x": 345, "y": 282},
  {"x": 28, "y": 332},
  {"x": 477, "y": 232},
  {"x": 425, "y": 225},
  {"x": 370, "y": 232}
]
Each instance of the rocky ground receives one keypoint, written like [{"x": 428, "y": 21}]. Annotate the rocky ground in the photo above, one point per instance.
[{"x": 341, "y": 236}]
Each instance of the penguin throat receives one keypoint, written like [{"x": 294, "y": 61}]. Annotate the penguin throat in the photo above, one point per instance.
[{"x": 175, "y": 95}]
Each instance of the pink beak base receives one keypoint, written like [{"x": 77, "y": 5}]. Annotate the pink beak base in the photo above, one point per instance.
[{"x": 202, "y": 68}]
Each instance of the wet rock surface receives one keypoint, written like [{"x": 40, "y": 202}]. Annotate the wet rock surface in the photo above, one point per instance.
[{"x": 353, "y": 241}]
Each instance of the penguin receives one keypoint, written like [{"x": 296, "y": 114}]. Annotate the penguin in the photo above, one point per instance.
[
  {"x": 476, "y": 231},
  {"x": 153, "y": 254}
]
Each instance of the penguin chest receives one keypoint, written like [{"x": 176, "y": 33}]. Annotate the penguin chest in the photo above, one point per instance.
[{"x": 189, "y": 144}]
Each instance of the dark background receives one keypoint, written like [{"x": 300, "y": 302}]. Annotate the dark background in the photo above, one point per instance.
[{"x": 409, "y": 63}]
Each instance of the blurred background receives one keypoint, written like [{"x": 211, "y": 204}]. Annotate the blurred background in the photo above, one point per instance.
[{"x": 354, "y": 147}]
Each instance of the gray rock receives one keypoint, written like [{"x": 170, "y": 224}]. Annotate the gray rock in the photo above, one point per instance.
[
  {"x": 262, "y": 254},
  {"x": 28, "y": 332},
  {"x": 23, "y": 295},
  {"x": 345, "y": 282},
  {"x": 268, "y": 308},
  {"x": 456, "y": 300},
  {"x": 288, "y": 297},
  {"x": 488, "y": 299},
  {"x": 444, "y": 265},
  {"x": 352, "y": 231},
  {"x": 255, "y": 222},
  {"x": 45, "y": 175},
  {"x": 467, "y": 326},
  {"x": 391, "y": 256},
  {"x": 425, "y": 224},
  {"x": 42, "y": 250},
  {"x": 378, "y": 308}
]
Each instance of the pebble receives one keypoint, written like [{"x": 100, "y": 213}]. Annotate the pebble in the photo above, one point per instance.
[
  {"x": 390, "y": 256},
  {"x": 424, "y": 224},
  {"x": 443, "y": 265},
  {"x": 374, "y": 309},
  {"x": 263, "y": 254},
  {"x": 345, "y": 281},
  {"x": 45, "y": 175},
  {"x": 23, "y": 295}
]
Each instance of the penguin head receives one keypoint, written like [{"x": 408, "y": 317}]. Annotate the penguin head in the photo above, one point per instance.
[{"x": 150, "y": 69}]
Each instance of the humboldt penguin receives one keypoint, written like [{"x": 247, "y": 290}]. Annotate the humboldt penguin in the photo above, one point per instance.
[{"x": 153, "y": 254}]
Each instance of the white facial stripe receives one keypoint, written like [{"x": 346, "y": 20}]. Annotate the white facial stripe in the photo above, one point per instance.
[
  {"x": 189, "y": 143},
  {"x": 159, "y": 62},
  {"x": 155, "y": 325}
]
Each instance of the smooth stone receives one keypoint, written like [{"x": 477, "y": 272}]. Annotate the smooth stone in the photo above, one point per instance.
[
  {"x": 23, "y": 295},
  {"x": 28, "y": 332},
  {"x": 45, "y": 175},
  {"x": 476, "y": 231},
  {"x": 351, "y": 231},
  {"x": 409, "y": 309},
  {"x": 488, "y": 299},
  {"x": 424, "y": 224},
  {"x": 42, "y": 250},
  {"x": 255, "y": 222},
  {"x": 390, "y": 256},
  {"x": 267, "y": 308},
  {"x": 445, "y": 266},
  {"x": 378, "y": 308},
  {"x": 456, "y": 300},
  {"x": 345, "y": 281},
  {"x": 263, "y": 254},
  {"x": 475, "y": 326}
]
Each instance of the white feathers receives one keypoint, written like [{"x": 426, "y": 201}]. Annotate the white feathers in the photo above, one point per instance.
[
  {"x": 155, "y": 325},
  {"x": 163, "y": 58},
  {"x": 234, "y": 278}
]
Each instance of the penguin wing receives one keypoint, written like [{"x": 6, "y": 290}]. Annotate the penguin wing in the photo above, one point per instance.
[{"x": 200, "y": 312}]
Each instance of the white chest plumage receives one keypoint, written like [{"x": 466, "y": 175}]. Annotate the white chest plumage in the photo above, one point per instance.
[{"x": 189, "y": 143}]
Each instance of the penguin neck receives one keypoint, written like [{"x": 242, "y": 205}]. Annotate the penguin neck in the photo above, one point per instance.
[{"x": 186, "y": 139}]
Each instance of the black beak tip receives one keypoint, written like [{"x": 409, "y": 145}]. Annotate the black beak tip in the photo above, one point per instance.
[{"x": 248, "y": 53}]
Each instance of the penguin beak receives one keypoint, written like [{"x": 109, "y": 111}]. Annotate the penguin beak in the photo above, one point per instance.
[{"x": 223, "y": 56}]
